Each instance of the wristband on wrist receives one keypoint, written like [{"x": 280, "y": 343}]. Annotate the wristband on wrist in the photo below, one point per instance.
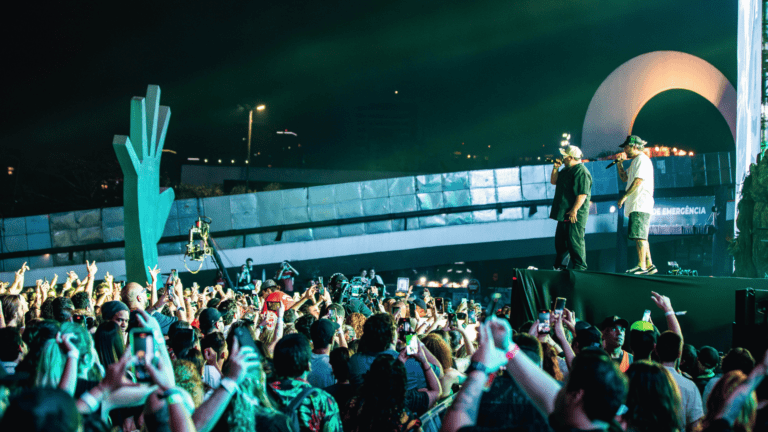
[
  {"x": 669, "y": 313},
  {"x": 513, "y": 351},
  {"x": 73, "y": 354},
  {"x": 170, "y": 392},
  {"x": 89, "y": 400},
  {"x": 229, "y": 385}
]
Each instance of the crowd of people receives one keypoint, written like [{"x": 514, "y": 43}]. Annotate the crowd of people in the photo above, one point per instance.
[{"x": 93, "y": 354}]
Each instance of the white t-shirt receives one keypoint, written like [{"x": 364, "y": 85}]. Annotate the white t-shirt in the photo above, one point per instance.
[
  {"x": 693, "y": 407},
  {"x": 211, "y": 376},
  {"x": 641, "y": 200}
]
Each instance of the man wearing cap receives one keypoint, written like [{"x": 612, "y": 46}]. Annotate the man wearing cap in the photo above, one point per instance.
[
  {"x": 570, "y": 207},
  {"x": 321, "y": 373},
  {"x": 613, "y": 329},
  {"x": 211, "y": 321},
  {"x": 638, "y": 199},
  {"x": 117, "y": 312},
  {"x": 709, "y": 360}
]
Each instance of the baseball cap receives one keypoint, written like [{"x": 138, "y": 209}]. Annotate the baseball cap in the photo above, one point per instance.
[
  {"x": 269, "y": 283},
  {"x": 110, "y": 308},
  {"x": 634, "y": 141},
  {"x": 208, "y": 319},
  {"x": 278, "y": 296},
  {"x": 611, "y": 321},
  {"x": 322, "y": 332},
  {"x": 642, "y": 326},
  {"x": 588, "y": 337},
  {"x": 709, "y": 357},
  {"x": 572, "y": 151}
]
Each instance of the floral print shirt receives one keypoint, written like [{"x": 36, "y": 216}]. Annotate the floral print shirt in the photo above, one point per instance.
[{"x": 319, "y": 411}]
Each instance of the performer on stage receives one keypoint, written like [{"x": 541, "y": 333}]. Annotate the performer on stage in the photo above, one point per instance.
[
  {"x": 638, "y": 199},
  {"x": 570, "y": 208}
]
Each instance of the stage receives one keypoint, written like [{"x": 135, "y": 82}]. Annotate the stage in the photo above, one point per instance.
[{"x": 709, "y": 301}]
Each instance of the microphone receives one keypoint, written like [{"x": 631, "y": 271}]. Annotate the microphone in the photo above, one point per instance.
[{"x": 612, "y": 164}]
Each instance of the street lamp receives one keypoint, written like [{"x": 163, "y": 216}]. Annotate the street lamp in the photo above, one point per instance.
[{"x": 248, "y": 160}]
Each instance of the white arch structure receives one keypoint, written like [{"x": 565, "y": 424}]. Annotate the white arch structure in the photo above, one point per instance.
[{"x": 614, "y": 107}]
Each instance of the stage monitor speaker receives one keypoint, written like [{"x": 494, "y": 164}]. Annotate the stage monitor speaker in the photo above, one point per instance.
[{"x": 745, "y": 307}]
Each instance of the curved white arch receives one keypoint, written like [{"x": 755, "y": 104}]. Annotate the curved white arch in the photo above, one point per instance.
[{"x": 614, "y": 107}]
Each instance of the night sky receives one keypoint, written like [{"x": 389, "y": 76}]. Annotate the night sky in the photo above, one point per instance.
[{"x": 510, "y": 74}]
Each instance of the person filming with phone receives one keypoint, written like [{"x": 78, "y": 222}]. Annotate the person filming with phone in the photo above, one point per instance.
[{"x": 570, "y": 208}]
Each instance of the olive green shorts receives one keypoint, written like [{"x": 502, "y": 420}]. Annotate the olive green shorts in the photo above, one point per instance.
[{"x": 638, "y": 225}]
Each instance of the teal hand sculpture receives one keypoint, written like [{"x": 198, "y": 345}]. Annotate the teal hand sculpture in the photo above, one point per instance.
[{"x": 145, "y": 208}]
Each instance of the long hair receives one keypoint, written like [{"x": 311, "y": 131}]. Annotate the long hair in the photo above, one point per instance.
[
  {"x": 109, "y": 343},
  {"x": 50, "y": 366},
  {"x": 550, "y": 362},
  {"x": 719, "y": 395},
  {"x": 653, "y": 399},
  {"x": 356, "y": 320},
  {"x": 381, "y": 397},
  {"x": 442, "y": 352}
]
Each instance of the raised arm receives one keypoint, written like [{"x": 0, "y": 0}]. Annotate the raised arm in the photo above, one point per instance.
[
  {"x": 665, "y": 305},
  {"x": 463, "y": 412},
  {"x": 537, "y": 384},
  {"x": 92, "y": 269},
  {"x": 153, "y": 272},
  {"x": 235, "y": 370},
  {"x": 555, "y": 172}
]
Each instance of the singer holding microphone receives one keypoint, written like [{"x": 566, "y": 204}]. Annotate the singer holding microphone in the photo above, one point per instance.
[
  {"x": 638, "y": 199},
  {"x": 570, "y": 207}
]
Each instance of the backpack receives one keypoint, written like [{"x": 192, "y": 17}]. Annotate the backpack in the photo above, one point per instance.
[{"x": 291, "y": 410}]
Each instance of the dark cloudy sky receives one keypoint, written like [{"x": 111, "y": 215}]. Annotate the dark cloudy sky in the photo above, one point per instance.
[{"x": 513, "y": 74}]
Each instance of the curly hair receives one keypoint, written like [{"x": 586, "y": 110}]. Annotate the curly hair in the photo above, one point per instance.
[
  {"x": 378, "y": 333},
  {"x": 188, "y": 378},
  {"x": 550, "y": 362},
  {"x": 357, "y": 321},
  {"x": 653, "y": 398},
  {"x": 437, "y": 346},
  {"x": 381, "y": 401},
  {"x": 719, "y": 395}
]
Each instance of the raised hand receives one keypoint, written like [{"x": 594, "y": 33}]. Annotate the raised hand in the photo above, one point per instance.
[
  {"x": 146, "y": 209},
  {"x": 92, "y": 269},
  {"x": 662, "y": 302}
]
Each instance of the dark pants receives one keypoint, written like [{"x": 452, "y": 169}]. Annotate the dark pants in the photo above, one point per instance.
[{"x": 569, "y": 242}]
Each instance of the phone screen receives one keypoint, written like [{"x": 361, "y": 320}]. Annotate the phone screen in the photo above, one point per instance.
[
  {"x": 395, "y": 310},
  {"x": 273, "y": 306},
  {"x": 439, "y": 305},
  {"x": 332, "y": 314},
  {"x": 559, "y": 307},
  {"x": 411, "y": 344},
  {"x": 543, "y": 322},
  {"x": 143, "y": 348},
  {"x": 647, "y": 315},
  {"x": 412, "y": 310},
  {"x": 461, "y": 316},
  {"x": 402, "y": 286},
  {"x": 472, "y": 316}
]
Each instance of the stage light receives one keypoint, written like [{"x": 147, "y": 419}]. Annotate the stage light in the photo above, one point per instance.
[
  {"x": 656, "y": 148},
  {"x": 445, "y": 281},
  {"x": 246, "y": 161},
  {"x": 690, "y": 153},
  {"x": 469, "y": 156},
  {"x": 233, "y": 161},
  {"x": 612, "y": 209},
  {"x": 219, "y": 160},
  {"x": 465, "y": 282},
  {"x": 422, "y": 280},
  {"x": 674, "y": 149},
  {"x": 205, "y": 160}
]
